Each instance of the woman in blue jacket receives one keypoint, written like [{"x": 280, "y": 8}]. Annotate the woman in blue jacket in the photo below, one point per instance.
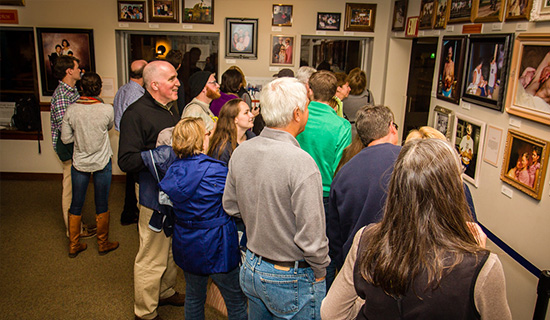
[{"x": 205, "y": 242}]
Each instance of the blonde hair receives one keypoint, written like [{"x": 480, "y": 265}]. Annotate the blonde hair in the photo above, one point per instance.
[
  {"x": 188, "y": 137},
  {"x": 424, "y": 133}
]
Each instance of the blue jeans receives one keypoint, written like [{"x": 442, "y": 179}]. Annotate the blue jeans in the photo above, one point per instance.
[
  {"x": 102, "y": 185},
  {"x": 228, "y": 283},
  {"x": 279, "y": 294}
]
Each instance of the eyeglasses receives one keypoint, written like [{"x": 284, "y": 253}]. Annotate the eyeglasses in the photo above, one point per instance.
[
  {"x": 395, "y": 125},
  {"x": 213, "y": 82}
]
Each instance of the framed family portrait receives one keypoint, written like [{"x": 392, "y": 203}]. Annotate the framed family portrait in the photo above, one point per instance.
[
  {"x": 53, "y": 43},
  {"x": 399, "y": 15},
  {"x": 451, "y": 67},
  {"x": 516, "y": 10},
  {"x": 198, "y": 11},
  {"x": 468, "y": 140},
  {"x": 525, "y": 163},
  {"x": 540, "y": 11},
  {"x": 487, "y": 70},
  {"x": 444, "y": 121},
  {"x": 132, "y": 11},
  {"x": 441, "y": 14},
  {"x": 282, "y": 50},
  {"x": 529, "y": 81},
  {"x": 488, "y": 10},
  {"x": 241, "y": 38},
  {"x": 427, "y": 14},
  {"x": 460, "y": 11},
  {"x": 328, "y": 21},
  {"x": 360, "y": 17},
  {"x": 281, "y": 15},
  {"x": 163, "y": 10}
]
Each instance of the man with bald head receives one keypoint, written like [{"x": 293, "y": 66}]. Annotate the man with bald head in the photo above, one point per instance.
[
  {"x": 154, "y": 270},
  {"x": 125, "y": 96}
]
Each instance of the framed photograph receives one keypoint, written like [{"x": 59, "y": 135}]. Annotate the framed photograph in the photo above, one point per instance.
[
  {"x": 427, "y": 14},
  {"x": 441, "y": 14},
  {"x": 460, "y": 11},
  {"x": 12, "y": 2},
  {"x": 516, "y": 10},
  {"x": 530, "y": 78},
  {"x": 163, "y": 10},
  {"x": 53, "y": 43},
  {"x": 282, "y": 50},
  {"x": 468, "y": 141},
  {"x": 444, "y": 121},
  {"x": 328, "y": 21},
  {"x": 399, "y": 15},
  {"x": 487, "y": 70},
  {"x": 540, "y": 11},
  {"x": 492, "y": 145},
  {"x": 451, "y": 67},
  {"x": 488, "y": 10},
  {"x": 132, "y": 11},
  {"x": 241, "y": 36},
  {"x": 525, "y": 163},
  {"x": 198, "y": 11},
  {"x": 360, "y": 17},
  {"x": 281, "y": 15}
]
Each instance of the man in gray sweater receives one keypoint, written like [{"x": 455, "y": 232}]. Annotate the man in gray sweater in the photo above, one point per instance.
[{"x": 276, "y": 188}]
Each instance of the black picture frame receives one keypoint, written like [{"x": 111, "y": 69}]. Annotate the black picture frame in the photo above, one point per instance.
[
  {"x": 237, "y": 44},
  {"x": 426, "y": 17},
  {"x": 329, "y": 21},
  {"x": 478, "y": 78},
  {"x": 399, "y": 15},
  {"x": 81, "y": 44},
  {"x": 449, "y": 86},
  {"x": 124, "y": 15}
]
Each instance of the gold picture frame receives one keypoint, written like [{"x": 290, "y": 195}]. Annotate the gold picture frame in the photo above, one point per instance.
[{"x": 360, "y": 17}]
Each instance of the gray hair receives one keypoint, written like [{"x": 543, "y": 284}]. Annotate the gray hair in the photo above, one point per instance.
[
  {"x": 304, "y": 73},
  {"x": 373, "y": 123},
  {"x": 279, "y": 99}
]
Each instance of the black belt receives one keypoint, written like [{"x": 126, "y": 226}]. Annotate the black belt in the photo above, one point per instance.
[{"x": 287, "y": 264}]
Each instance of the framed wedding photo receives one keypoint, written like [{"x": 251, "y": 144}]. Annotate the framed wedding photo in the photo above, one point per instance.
[
  {"x": 487, "y": 70},
  {"x": 451, "y": 67},
  {"x": 461, "y": 11},
  {"x": 444, "y": 121},
  {"x": 131, "y": 11},
  {"x": 163, "y": 10},
  {"x": 399, "y": 15},
  {"x": 241, "y": 36},
  {"x": 468, "y": 141},
  {"x": 198, "y": 11},
  {"x": 525, "y": 163},
  {"x": 282, "y": 50},
  {"x": 329, "y": 21},
  {"x": 281, "y": 15},
  {"x": 360, "y": 17}
]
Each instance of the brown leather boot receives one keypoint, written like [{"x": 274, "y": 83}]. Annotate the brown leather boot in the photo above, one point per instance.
[
  {"x": 104, "y": 245},
  {"x": 75, "y": 247}
]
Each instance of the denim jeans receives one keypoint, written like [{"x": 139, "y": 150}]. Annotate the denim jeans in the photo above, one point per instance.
[
  {"x": 102, "y": 184},
  {"x": 280, "y": 294},
  {"x": 228, "y": 283}
]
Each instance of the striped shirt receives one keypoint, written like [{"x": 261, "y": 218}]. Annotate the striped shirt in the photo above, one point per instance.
[{"x": 63, "y": 96}]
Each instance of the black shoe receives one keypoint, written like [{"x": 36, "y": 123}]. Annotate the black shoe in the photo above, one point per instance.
[{"x": 128, "y": 218}]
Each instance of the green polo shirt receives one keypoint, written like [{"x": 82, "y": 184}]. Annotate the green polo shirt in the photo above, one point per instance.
[{"x": 325, "y": 137}]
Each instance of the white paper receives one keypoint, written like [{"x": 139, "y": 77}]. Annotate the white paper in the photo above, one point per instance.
[{"x": 6, "y": 112}]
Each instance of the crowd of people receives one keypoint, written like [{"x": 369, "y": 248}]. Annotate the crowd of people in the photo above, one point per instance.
[{"x": 320, "y": 214}]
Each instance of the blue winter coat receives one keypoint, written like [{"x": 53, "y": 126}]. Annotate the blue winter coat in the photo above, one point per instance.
[{"x": 205, "y": 238}]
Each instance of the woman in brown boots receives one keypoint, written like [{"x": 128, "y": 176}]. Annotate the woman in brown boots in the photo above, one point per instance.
[{"x": 87, "y": 123}]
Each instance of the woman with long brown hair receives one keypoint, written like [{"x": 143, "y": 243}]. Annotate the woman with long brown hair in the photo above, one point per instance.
[{"x": 426, "y": 258}]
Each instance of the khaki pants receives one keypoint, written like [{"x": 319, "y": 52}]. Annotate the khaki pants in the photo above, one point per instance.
[
  {"x": 155, "y": 271},
  {"x": 67, "y": 193}
]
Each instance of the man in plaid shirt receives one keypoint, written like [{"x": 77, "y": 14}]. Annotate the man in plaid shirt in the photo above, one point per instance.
[{"x": 67, "y": 70}]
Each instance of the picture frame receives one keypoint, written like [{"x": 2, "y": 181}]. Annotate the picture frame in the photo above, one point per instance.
[
  {"x": 281, "y": 15},
  {"x": 486, "y": 73},
  {"x": 78, "y": 42},
  {"x": 514, "y": 11},
  {"x": 444, "y": 121},
  {"x": 197, "y": 11},
  {"x": 540, "y": 11},
  {"x": 12, "y": 3},
  {"x": 442, "y": 14},
  {"x": 241, "y": 36},
  {"x": 451, "y": 68},
  {"x": 530, "y": 55},
  {"x": 468, "y": 137},
  {"x": 329, "y": 21},
  {"x": 427, "y": 14},
  {"x": 399, "y": 15},
  {"x": 520, "y": 168},
  {"x": 282, "y": 50},
  {"x": 360, "y": 17},
  {"x": 493, "y": 141},
  {"x": 460, "y": 11},
  {"x": 488, "y": 10},
  {"x": 131, "y": 11},
  {"x": 163, "y": 11}
]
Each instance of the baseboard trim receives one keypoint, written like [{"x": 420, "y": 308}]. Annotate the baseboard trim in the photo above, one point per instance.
[{"x": 44, "y": 176}]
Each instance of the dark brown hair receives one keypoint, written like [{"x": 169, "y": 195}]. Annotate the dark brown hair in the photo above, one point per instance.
[
  {"x": 62, "y": 64},
  {"x": 91, "y": 84},
  {"x": 231, "y": 81}
]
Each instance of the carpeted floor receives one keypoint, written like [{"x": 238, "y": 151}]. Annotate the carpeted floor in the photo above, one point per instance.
[{"x": 37, "y": 278}]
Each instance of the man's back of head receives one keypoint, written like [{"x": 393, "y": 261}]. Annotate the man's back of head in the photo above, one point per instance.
[
  {"x": 373, "y": 123},
  {"x": 304, "y": 73},
  {"x": 323, "y": 85},
  {"x": 280, "y": 98},
  {"x": 136, "y": 69}
]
